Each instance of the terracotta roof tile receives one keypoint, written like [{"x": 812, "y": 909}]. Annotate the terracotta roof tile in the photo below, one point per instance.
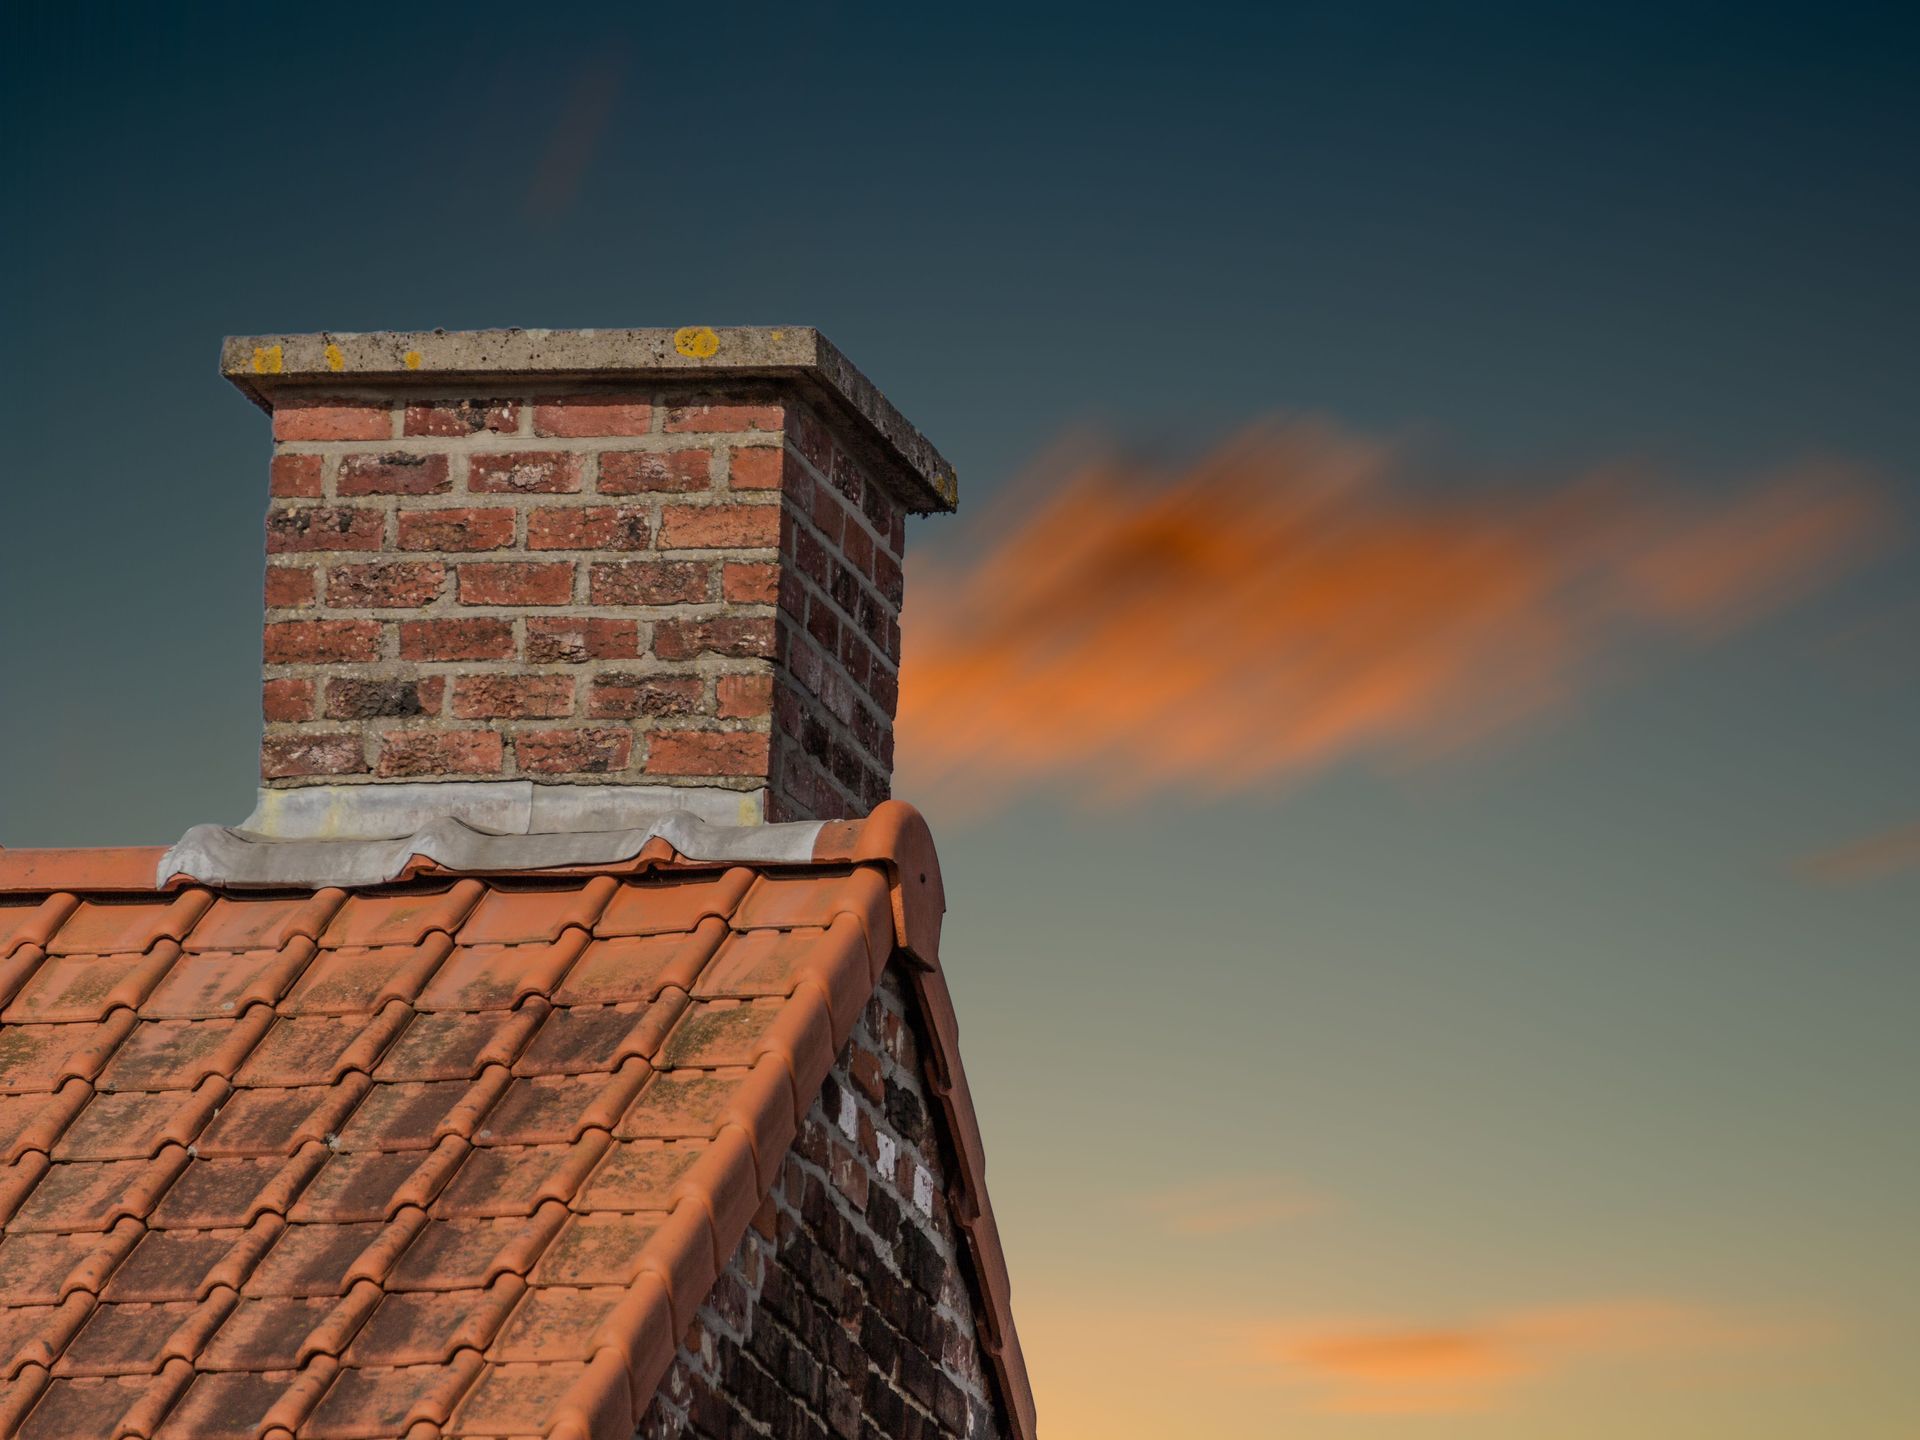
[
  {"x": 455, "y": 1156},
  {"x": 171, "y": 1264},
  {"x": 224, "y": 1407},
  {"x": 82, "y": 1407}
]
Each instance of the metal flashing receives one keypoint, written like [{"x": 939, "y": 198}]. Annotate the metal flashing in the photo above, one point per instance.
[
  {"x": 224, "y": 856},
  {"x": 391, "y": 810}
]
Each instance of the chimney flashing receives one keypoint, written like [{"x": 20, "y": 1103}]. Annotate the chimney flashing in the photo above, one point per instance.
[
  {"x": 503, "y": 807},
  {"x": 263, "y": 365}
]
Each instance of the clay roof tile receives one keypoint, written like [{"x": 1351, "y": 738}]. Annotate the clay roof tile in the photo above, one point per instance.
[{"x": 452, "y": 1156}]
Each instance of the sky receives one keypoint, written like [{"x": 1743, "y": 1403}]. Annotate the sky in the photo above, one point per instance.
[{"x": 1418, "y": 706}]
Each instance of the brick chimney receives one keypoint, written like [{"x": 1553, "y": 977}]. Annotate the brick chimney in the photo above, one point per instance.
[{"x": 579, "y": 575}]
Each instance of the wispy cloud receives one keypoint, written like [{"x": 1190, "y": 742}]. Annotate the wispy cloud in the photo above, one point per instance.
[
  {"x": 1473, "y": 1365},
  {"x": 1296, "y": 599},
  {"x": 1872, "y": 858},
  {"x": 1228, "y": 1206},
  {"x": 577, "y": 133}
]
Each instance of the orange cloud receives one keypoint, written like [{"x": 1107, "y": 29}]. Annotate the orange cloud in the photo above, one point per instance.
[
  {"x": 1404, "y": 1370},
  {"x": 1289, "y": 602},
  {"x": 1228, "y": 1207},
  {"x": 1873, "y": 858}
]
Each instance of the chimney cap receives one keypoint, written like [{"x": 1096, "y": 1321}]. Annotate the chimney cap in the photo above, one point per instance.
[{"x": 260, "y": 365}]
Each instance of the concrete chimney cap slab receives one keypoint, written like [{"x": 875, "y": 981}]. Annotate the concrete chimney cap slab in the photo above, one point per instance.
[{"x": 261, "y": 365}]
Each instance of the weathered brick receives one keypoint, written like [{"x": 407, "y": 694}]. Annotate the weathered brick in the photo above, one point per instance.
[
  {"x": 456, "y": 530},
  {"x": 456, "y": 639},
  {"x": 649, "y": 582},
  {"x": 707, "y": 752},
  {"x": 741, "y": 637},
  {"x": 390, "y": 584},
  {"x": 285, "y": 757},
  {"x": 350, "y": 698},
  {"x": 296, "y": 419},
  {"x": 407, "y": 753},
  {"x": 588, "y": 527},
  {"x": 572, "y": 639},
  {"x": 512, "y": 697},
  {"x": 573, "y": 752},
  {"x": 725, "y": 418},
  {"x": 756, "y": 467},
  {"x": 516, "y": 582},
  {"x": 321, "y": 642},
  {"x": 745, "y": 582},
  {"x": 395, "y": 472},
  {"x": 889, "y": 579},
  {"x": 857, "y": 546},
  {"x": 296, "y": 528},
  {"x": 640, "y": 472},
  {"x": 618, "y": 696},
  {"x": 743, "y": 697},
  {"x": 287, "y": 699},
  {"x": 461, "y": 417},
  {"x": 611, "y": 413},
  {"x": 296, "y": 477},
  {"x": 719, "y": 527},
  {"x": 290, "y": 585},
  {"x": 526, "y": 472}
]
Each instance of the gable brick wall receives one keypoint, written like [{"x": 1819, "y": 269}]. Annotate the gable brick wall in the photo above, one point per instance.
[
  {"x": 653, "y": 584},
  {"x": 847, "y": 1311}
]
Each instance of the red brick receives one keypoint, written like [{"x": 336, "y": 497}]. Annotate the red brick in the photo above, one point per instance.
[
  {"x": 456, "y": 530},
  {"x": 591, "y": 527},
  {"x": 395, "y": 472},
  {"x": 611, "y": 414},
  {"x": 573, "y": 752},
  {"x": 328, "y": 753},
  {"x": 290, "y": 585},
  {"x": 744, "y": 638},
  {"x": 527, "y": 472},
  {"x": 330, "y": 420},
  {"x": 828, "y": 513},
  {"x": 440, "y": 752},
  {"x": 810, "y": 438},
  {"x": 707, "y": 752},
  {"x": 857, "y": 547},
  {"x": 512, "y": 697},
  {"x": 296, "y": 528},
  {"x": 616, "y": 696},
  {"x": 296, "y": 477},
  {"x": 388, "y": 585},
  {"x": 321, "y": 642},
  {"x": 757, "y": 467},
  {"x": 750, "y": 584},
  {"x": 516, "y": 582},
  {"x": 649, "y": 582},
  {"x": 640, "y": 472},
  {"x": 362, "y": 698},
  {"x": 570, "y": 639},
  {"x": 889, "y": 579},
  {"x": 719, "y": 527},
  {"x": 286, "y": 699},
  {"x": 456, "y": 639},
  {"x": 462, "y": 417},
  {"x": 864, "y": 1069},
  {"x": 744, "y": 697},
  {"x": 727, "y": 419}
]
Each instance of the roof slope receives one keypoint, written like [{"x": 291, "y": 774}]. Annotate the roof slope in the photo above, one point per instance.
[{"x": 455, "y": 1156}]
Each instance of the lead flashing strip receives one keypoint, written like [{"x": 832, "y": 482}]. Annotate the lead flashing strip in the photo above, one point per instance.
[
  {"x": 219, "y": 855},
  {"x": 390, "y": 810}
]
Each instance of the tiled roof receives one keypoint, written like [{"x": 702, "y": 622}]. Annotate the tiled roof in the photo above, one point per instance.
[{"x": 454, "y": 1156}]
